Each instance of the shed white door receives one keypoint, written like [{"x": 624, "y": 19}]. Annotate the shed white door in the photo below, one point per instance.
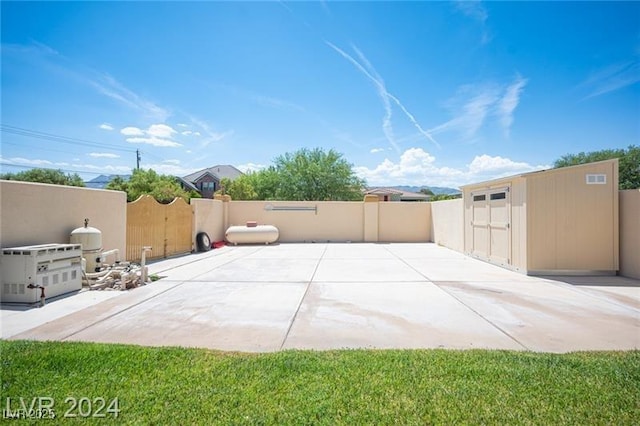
[
  {"x": 480, "y": 225},
  {"x": 491, "y": 229},
  {"x": 499, "y": 226}
]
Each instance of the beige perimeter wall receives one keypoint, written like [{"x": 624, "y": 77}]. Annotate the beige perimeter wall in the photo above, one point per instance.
[
  {"x": 447, "y": 224},
  {"x": 334, "y": 221},
  {"x": 35, "y": 213},
  {"x": 209, "y": 218},
  {"x": 630, "y": 233},
  {"x": 404, "y": 222},
  {"x": 337, "y": 221}
]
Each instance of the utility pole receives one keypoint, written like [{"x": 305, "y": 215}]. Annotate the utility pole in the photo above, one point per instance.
[{"x": 138, "y": 159}]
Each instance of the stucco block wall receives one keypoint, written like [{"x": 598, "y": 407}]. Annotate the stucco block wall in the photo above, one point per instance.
[
  {"x": 208, "y": 217},
  {"x": 630, "y": 233},
  {"x": 334, "y": 221},
  {"x": 35, "y": 213},
  {"x": 447, "y": 227},
  {"x": 404, "y": 222}
]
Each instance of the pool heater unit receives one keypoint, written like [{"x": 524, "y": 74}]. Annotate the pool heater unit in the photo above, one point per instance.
[{"x": 25, "y": 272}]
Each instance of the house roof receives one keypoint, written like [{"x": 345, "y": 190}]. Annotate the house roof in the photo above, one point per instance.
[
  {"x": 220, "y": 171},
  {"x": 404, "y": 195},
  {"x": 419, "y": 196},
  {"x": 188, "y": 185},
  {"x": 382, "y": 191}
]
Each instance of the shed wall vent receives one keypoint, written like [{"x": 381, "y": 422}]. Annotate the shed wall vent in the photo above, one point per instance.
[{"x": 596, "y": 179}]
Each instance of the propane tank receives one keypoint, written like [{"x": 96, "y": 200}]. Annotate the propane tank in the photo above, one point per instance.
[{"x": 91, "y": 240}]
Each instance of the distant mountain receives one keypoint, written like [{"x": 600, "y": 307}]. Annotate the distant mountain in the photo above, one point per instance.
[
  {"x": 101, "y": 181},
  {"x": 435, "y": 189}
]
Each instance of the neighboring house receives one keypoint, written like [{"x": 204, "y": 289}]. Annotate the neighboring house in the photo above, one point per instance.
[
  {"x": 390, "y": 194},
  {"x": 207, "y": 181}
]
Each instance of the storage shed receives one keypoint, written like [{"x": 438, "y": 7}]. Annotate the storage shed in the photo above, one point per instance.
[{"x": 552, "y": 222}]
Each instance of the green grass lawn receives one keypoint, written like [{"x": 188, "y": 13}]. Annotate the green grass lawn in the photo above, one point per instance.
[{"x": 194, "y": 386}]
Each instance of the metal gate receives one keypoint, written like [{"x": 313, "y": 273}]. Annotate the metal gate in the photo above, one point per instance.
[{"x": 166, "y": 228}]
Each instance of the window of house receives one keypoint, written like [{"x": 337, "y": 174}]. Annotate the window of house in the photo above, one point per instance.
[
  {"x": 207, "y": 186},
  {"x": 596, "y": 179},
  {"x": 499, "y": 196},
  {"x": 479, "y": 197}
]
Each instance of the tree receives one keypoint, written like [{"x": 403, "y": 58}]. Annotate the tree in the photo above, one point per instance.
[
  {"x": 56, "y": 177},
  {"x": 304, "y": 175},
  {"x": 241, "y": 188},
  {"x": 629, "y": 163},
  {"x": 427, "y": 191},
  {"x": 316, "y": 175},
  {"x": 163, "y": 188},
  {"x": 442, "y": 197}
]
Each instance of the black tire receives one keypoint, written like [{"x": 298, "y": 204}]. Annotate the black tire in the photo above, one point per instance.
[{"x": 203, "y": 241}]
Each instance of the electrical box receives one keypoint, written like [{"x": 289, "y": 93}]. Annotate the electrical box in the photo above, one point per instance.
[{"x": 56, "y": 267}]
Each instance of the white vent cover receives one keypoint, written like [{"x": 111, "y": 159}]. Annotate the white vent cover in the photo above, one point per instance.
[{"x": 596, "y": 179}]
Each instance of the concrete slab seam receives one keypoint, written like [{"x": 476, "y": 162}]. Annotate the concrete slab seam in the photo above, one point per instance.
[
  {"x": 409, "y": 265},
  {"x": 592, "y": 295},
  {"x": 180, "y": 283},
  {"x": 306, "y": 290},
  {"x": 232, "y": 254},
  {"x": 121, "y": 311},
  {"x": 486, "y": 319}
]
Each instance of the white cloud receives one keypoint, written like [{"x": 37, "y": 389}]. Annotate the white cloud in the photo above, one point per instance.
[
  {"x": 110, "y": 87},
  {"x": 475, "y": 10},
  {"x": 187, "y": 133},
  {"x": 156, "y": 135},
  {"x": 102, "y": 169},
  {"x": 473, "y": 105},
  {"x": 172, "y": 161},
  {"x": 154, "y": 141},
  {"x": 103, "y": 155},
  {"x": 471, "y": 116},
  {"x": 612, "y": 78},
  {"x": 132, "y": 131},
  {"x": 509, "y": 102},
  {"x": 250, "y": 167},
  {"x": 182, "y": 125},
  {"x": 160, "y": 131},
  {"x": 272, "y": 102},
  {"x": 370, "y": 72},
  {"x": 210, "y": 136},
  {"x": 170, "y": 169},
  {"x": 375, "y": 150},
  {"x": 106, "y": 126},
  {"x": 488, "y": 164},
  {"x": 418, "y": 167},
  {"x": 27, "y": 161}
]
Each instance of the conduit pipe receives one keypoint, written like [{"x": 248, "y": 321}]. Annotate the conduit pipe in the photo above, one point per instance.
[{"x": 143, "y": 262}]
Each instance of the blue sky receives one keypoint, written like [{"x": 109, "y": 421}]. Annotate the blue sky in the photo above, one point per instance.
[{"x": 412, "y": 93}]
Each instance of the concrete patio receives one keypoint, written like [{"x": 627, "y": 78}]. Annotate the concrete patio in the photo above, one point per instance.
[{"x": 331, "y": 296}]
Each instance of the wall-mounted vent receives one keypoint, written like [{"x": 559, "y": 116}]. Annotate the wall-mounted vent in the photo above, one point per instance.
[{"x": 596, "y": 179}]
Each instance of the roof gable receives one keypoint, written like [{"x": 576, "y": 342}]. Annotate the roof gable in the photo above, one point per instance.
[{"x": 218, "y": 172}]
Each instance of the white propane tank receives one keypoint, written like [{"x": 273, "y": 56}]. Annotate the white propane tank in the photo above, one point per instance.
[
  {"x": 91, "y": 240},
  {"x": 252, "y": 234}
]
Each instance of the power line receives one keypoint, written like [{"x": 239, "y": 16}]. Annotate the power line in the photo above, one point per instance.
[
  {"x": 58, "y": 138},
  {"x": 19, "y": 166},
  {"x": 39, "y": 148}
]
